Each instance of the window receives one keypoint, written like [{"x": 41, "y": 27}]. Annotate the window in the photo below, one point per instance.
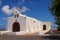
[
  {"x": 44, "y": 27},
  {"x": 34, "y": 21},
  {"x": 17, "y": 15}
]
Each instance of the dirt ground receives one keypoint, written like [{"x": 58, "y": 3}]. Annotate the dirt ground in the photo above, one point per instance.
[{"x": 15, "y": 37}]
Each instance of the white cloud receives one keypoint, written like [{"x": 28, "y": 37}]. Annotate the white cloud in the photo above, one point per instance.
[
  {"x": 0, "y": 2},
  {"x": 20, "y": 2},
  {"x": 13, "y": 10},
  {"x": 24, "y": 9},
  {"x": 4, "y": 18},
  {"x": 23, "y": 1},
  {"x": 6, "y": 10}
]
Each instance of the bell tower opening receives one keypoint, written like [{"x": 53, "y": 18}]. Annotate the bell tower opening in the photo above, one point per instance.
[{"x": 15, "y": 27}]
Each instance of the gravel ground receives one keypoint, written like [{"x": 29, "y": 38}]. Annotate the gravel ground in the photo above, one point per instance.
[{"x": 14, "y": 37}]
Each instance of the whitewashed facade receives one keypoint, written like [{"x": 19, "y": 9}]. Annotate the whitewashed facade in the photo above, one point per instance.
[{"x": 25, "y": 25}]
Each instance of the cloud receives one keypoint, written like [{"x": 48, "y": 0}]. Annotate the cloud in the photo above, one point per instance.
[
  {"x": 24, "y": 9},
  {"x": 4, "y": 18},
  {"x": 0, "y": 2},
  {"x": 13, "y": 10},
  {"x": 6, "y": 10},
  {"x": 20, "y": 2}
]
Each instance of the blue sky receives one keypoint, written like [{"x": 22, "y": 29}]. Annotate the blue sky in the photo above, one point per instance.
[{"x": 37, "y": 9}]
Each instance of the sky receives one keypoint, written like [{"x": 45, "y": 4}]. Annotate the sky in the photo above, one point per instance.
[{"x": 37, "y": 9}]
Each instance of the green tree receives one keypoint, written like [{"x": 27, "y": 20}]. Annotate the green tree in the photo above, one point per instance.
[{"x": 55, "y": 11}]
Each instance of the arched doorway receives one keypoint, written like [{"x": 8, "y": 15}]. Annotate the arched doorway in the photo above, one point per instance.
[
  {"x": 15, "y": 27},
  {"x": 44, "y": 27}
]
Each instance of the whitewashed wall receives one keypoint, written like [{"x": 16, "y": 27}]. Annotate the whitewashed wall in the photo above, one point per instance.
[
  {"x": 29, "y": 25},
  {"x": 36, "y": 26},
  {"x": 21, "y": 20},
  {"x": 48, "y": 25}
]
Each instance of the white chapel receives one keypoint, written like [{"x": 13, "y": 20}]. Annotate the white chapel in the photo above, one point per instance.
[{"x": 20, "y": 24}]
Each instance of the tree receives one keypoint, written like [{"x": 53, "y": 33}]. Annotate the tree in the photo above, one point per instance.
[{"x": 55, "y": 11}]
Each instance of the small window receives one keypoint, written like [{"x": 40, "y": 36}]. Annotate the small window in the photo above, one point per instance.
[
  {"x": 34, "y": 21},
  {"x": 44, "y": 27},
  {"x": 17, "y": 15}
]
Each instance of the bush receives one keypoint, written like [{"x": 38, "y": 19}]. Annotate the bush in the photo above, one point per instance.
[{"x": 58, "y": 28}]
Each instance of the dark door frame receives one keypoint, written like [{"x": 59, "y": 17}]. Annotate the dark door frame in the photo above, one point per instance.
[
  {"x": 15, "y": 27},
  {"x": 44, "y": 27}
]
